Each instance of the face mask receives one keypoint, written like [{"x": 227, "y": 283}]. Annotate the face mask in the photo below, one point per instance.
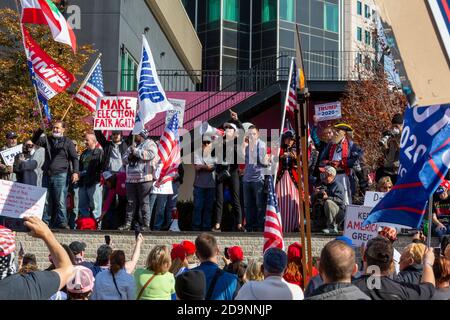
[
  {"x": 57, "y": 135},
  {"x": 32, "y": 151}
]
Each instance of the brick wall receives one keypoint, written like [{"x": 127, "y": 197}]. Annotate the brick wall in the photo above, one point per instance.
[{"x": 251, "y": 243}]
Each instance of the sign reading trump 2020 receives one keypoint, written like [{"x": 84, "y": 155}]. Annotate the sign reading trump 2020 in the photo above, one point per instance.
[
  {"x": 353, "y": 229},
  {"x": 115, "y": 113},
  {"x": 328, "y": 111}
]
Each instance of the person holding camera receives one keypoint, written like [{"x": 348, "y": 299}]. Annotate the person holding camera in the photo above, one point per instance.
[
  {"x": 329, "y": 201},
  {"x": 139, "y": 170},
  {"x": 28, "y": 165},
  {"x": 390, "y": 143},
  {"x": 441, "y": 212},
  {"x": 228, "y": 173}
]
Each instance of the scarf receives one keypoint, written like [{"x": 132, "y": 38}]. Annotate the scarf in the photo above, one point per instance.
[{"x": 344, "y": 145}]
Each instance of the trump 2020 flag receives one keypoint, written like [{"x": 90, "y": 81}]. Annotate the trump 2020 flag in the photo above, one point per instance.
[
  {"x": 152, "y": 98},
  {"x": 424, "y": 162}
]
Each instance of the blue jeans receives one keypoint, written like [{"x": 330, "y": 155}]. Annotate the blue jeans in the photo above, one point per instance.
[
  {"x": 90, "y": 200},
  {"x": 254, "y": 205},
  {"x": 73, "y": 216},
  {"x": 163, "y": 213},
  {"x": 203, "y": 208},
  {"x": 55, "y": 202},
  {"x": 441, "y": 233}
]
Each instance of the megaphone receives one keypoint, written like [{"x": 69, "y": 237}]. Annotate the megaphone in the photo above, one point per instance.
[{"x": 207, "y": 130}]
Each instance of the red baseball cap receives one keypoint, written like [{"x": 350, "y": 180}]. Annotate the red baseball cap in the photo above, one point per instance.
[
  {"x": 178, "y": 251},
  {"x": 236, "y": 254},
  {"x": 189, "y": 247},
  {"x": 389, "y": 233},
  {"x": 294, "y": 251}
]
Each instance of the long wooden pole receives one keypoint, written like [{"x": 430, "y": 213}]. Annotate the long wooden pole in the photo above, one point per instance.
[{"x": 301, "y": 206}]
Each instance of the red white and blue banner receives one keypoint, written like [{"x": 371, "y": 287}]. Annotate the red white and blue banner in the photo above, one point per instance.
[
  {"x": 441, "y": 15},
  {"x": 424, "y": 162}
]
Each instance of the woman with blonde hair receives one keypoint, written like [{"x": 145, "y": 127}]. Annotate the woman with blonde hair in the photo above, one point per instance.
[
  {"x": 254, "y": 271},
  {"x": 155, "y": 282}
]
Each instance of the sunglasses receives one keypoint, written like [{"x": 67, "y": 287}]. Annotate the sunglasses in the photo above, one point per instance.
[
  {"x": 29, "y": 145},
  {"x": 206, "y": 142}
]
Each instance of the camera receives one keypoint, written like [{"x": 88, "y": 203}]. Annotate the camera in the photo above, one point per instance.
[
  {"x": 321, "y": 192},
  {"x": 388, "y": 134}
]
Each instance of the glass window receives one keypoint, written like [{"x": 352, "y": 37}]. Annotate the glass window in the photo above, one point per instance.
[
  {"x": 358, "y": 58},
  {"x": 128, "y": 73},
  {"x": 231, "y": 10},
  {"x": 367, "y": 37},
  {"x": 359, "y": 8},
  {"x": 366, "y": 11},
  {"x": 359, "y": 34},
  {"x": 331, "y": 17},
  {"x": 269, "y": 10},
  {"x": 287, "y": 10},
  {"x": 213, "y": 10}
]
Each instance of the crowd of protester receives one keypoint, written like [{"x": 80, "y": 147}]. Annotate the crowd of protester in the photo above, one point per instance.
[
  {"x": 112, "y": 185},
  {"x": 202, "y": 271}
]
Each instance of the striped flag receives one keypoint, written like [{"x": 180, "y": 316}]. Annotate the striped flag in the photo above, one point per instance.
[
  {"x": 273, "y": 229},
  {"x": 7, "y": 241},
  {"x": 291, "y": 104},
  {"x": 169, "y": 152},
  {"x": 46, "y": 12},
  {"x": 92, "y": 88}
]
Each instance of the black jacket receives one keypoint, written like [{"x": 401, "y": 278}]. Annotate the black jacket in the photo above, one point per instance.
[
  {"x": 107, "y": 147},
  {"x": 62, "y": 152},
  {"x": 237, "y": 152},
  {"x": 338, "y": 291},
  {"x": 412, "y": 274},
  {"x": 336, "y": 192},
  {"x": 393, "y": 290},
  {"x": 91, "y": 175}
]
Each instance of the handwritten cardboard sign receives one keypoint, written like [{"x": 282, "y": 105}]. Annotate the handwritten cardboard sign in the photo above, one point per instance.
[
  {"x": 9, "y": 154},
  {"x": 328, "y": 111},
  {"x": 18, "y": 200},
  {"x": 354, "y": 218},
  {"x": 115, "y": 113}
]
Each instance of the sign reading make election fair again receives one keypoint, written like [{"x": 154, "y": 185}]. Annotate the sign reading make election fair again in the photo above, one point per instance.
[
  {"x": 178, "y": 107},
  {"x": 9, "y": 154},
  {"x": 115, "y": 113},
  {"x": 19, "y": 200},
  {"x": 328, "y": 111}
]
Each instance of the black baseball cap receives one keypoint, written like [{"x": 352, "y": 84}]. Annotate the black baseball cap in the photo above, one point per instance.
[
  {"x": 11, "y": 135},
  {"x": 77, "y": 247}
]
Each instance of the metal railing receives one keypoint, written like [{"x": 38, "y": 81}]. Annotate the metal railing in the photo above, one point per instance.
[{"x": 319, "y": 66}]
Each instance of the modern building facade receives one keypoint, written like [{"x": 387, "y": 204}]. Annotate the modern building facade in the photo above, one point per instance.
[
  {"x": 240, "y": 34},
  {"x": 115, "y": 28}
]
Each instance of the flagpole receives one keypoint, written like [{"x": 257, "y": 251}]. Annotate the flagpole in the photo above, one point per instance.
[
  {"x": 283, "y": 118},
  {"x": 430, "y": 220},
  {"x": 82, "y": 84},
  {"x": 38, "y": 104}
]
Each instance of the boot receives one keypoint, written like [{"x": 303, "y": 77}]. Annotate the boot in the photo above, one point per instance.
[{"x": 125, "y": 227}]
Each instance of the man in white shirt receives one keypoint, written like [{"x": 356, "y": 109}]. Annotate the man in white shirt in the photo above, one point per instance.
[{"x": 274, "y": 287}]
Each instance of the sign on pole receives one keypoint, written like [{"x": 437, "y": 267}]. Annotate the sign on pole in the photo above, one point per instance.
[
  {"x": 372, "y": 198},
  {"x": 19, "y": 200},
  {"x": 178, "y": 107},
  {"x": 354, "y": 218},
  {"x": 115, "y": 113},
  {"x": 9, "y": 154},
  {"x": 328, "y": 111}
]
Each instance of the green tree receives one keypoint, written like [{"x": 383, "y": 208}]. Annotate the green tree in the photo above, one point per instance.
[{"x": 18, "y": 111}]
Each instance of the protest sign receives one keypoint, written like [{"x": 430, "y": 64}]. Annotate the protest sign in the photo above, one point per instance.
[
  {"x": 18, "y": 200},
  {"x": 178, "y": 107},
  {"x": 354, "y": 218},
  {"x": 115, "y": 113},
  {"x": 9, "y": 154},
  {"x": 328, "y": 111},
  {"x": 372, "y": 198}
]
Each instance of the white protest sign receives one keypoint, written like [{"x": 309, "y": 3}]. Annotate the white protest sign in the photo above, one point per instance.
[
  {"x": 328, "y": 111},
  {"x": 115, "y": 113},
  {"x": 372, "y": 198},
  {"x": 354, "y": 218},
  {"x": 9, "y": 154},
  {"x": 18, "y": 200},
  {"x": 178, "y": 107}
]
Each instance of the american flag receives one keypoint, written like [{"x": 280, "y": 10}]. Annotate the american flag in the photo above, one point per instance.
[
  {"x": 7, "y": 241},
  {"x": 169, "y": 151},
  {"x": 92, "y": 89},
  {"x": 273, "y": 229},
  {"x": 292, "y": 104}
]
